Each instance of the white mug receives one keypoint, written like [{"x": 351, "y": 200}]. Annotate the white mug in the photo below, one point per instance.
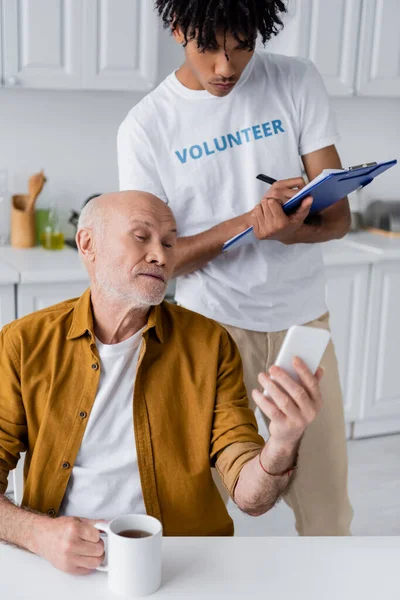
[{"x": 133, "y": 564}]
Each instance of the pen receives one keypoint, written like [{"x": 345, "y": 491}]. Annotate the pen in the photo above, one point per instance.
[{"x": 266, "y": 179}]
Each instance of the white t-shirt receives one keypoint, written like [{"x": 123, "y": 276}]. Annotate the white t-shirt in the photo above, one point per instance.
[
  {"x": 202, "y": 153},
  {"x": 105, "y": 481}
]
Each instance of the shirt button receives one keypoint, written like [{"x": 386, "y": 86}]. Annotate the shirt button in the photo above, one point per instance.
[
  {"x": 83, "y": 414},
  {"x": 51, "y": 512},
  {"x": 66, "y": 465},
  {"x": 95, "y": 366}
]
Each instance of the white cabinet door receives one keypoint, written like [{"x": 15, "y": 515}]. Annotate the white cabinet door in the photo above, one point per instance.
[
  {"x": 121, "y": 45},
  {"x": 32, "y": 296},
  {"x": 326, "y": 33},
  {"x": 379, "y": 64},
  {"x": 7, "y": 304},
  {"x": 42, "y": 43},
  {"x": 1, "y": 43},
  {"x": 382, "y": 388},
  {"x": 347, "y": 294}
]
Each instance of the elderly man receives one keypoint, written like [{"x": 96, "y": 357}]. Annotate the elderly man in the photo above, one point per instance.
[{"x": 122, "y": 402}]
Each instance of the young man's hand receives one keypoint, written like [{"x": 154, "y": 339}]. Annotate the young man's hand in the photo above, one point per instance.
[
  {"x": 70, "y": 544},
  {"x": 291, "y": 406},
  {"x": 268, "y": 218}
]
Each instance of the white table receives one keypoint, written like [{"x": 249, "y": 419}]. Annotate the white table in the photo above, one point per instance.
[{"x": 245, "y": 568}]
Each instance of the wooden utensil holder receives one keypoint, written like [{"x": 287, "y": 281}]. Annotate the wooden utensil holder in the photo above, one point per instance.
[{"x": 23, "y": 234}]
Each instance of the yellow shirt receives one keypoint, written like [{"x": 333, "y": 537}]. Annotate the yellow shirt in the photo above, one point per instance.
[{"x": 190, "y": 410}]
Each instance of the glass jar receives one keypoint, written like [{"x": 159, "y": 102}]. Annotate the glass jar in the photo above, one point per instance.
[{"x": 52, "y": 238}]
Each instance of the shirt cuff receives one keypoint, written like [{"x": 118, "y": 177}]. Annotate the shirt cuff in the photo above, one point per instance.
[{"x": 231, "y": 461}]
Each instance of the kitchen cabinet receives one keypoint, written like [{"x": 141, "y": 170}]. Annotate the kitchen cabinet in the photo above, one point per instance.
[
  {"x": 45, "y": 277},
  {"x": 7, "y": 304},
  {"x": 382, "y": 393},
  {"x": 348, "y": 280},
  {"x": 380, "y": 410},
  {"x": 43, "y": 43},
  {"x": 8, "y": 279},
  {"x": 1, "y": 44},
  {"x": 355, "y": 45},
  {"x": 35, "y": 296},
  {"x": 120, "y": 45},
  {"x": 379, "y": 65},
  {"x": 327, "y": 34},
  {"x": 80, "y": 44}
]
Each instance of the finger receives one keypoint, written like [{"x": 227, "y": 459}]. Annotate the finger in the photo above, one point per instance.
[
  {"x": 306, "y": 204},
  {"x": 302, "y": 212},
  {"x": 92, "y": 521},
  {"x": 276, "y": 210},
  {"x": 282, "y": 399},
  {"x": 289, "y": 193},
  {"x": 308, "y": 380},
  {"x": 298, "y": 393},
  {"x": 275, "y": 194},
  {"x": 280, "y": 196},
  {"x": 320, "y": 373},
  {"x": 89, "y": 533},
  {"x": 266, "y": 217},
  {"x": 293, "y": 182},
  {"x": 89, "y": 548},
  {"x": 267, "y": 406},
  {"x": 89, "y": 562},
  {"x": 265, "y": 209},
  {"x": 81, "y": 571}
]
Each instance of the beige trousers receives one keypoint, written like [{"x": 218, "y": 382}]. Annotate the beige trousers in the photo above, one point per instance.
[{"x": 318, "y": 495}]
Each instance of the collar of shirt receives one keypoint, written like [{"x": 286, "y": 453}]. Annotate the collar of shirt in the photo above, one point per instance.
[{"x": 82, "y": 320}]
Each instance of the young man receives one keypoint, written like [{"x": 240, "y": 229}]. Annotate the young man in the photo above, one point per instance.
[
  {"x": 122, "y": 401},
  {"x": 198, "y": 142}
]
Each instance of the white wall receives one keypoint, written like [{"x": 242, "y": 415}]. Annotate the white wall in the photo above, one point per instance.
[
  {"x": 370, "y": 130},
  {"x": 72, "y": 135}
]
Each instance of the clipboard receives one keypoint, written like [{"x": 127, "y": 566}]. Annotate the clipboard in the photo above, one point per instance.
[{"x": 326, "y": 189}]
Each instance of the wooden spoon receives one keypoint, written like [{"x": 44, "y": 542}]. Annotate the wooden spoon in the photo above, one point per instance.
[{"x": 35, "y": 186}]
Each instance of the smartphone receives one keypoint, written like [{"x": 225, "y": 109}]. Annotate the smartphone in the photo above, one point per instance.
[{"x": 308, "y": 343}]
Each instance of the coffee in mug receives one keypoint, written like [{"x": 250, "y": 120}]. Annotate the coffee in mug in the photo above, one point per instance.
[{"x": 134, "y": 533}]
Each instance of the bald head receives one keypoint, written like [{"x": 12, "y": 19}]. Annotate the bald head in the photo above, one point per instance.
[
  {"x": 127, "y": 241},
  {"x": 119, "y": 205}
]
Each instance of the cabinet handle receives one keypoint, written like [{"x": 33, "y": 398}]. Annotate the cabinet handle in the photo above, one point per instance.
[{"x": 12, "y": 81}]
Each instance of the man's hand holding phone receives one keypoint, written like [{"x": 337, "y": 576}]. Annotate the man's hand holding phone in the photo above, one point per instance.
[{"x": 292, "y": 396}]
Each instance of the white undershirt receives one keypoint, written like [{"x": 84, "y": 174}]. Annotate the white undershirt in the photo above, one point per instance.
[{"x": 105, "y": 480}]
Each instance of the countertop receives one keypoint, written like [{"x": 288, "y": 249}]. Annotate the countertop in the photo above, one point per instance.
[
  {"x": 347, "y": 251},
  {"x": 385, "y": 248},
  {"x": 36, "y": 265}
]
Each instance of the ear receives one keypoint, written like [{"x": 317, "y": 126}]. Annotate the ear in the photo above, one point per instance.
[
  {"x": 178, "y": 35},
  {"x": 85, "y": 243}
]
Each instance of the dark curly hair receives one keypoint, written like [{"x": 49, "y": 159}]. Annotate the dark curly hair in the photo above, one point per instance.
[{"x": 202, "y": 19}]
